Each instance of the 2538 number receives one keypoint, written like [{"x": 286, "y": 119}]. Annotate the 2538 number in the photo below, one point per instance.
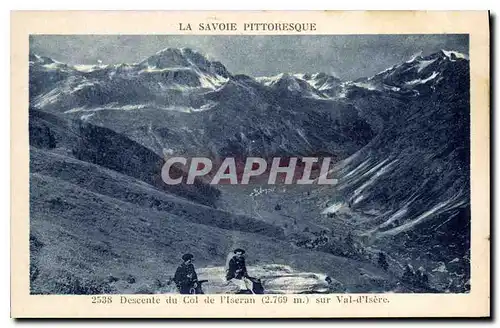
[{"x": 102, "y": 300}]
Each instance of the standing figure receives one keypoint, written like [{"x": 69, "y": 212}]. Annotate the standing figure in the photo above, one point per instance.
[{"x": 185, "y": 277}]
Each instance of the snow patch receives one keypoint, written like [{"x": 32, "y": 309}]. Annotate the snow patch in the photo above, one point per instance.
[
  {"x": 83, "y": 85},
  {"x": 211, "y": 82},
  {"x": 133, "y": 107},
  {"x": 85, "y": 117},
  {"x": 385, "y": 70},
  {"x": 372, "y": 180},
  {"x": 358, "y": 199},
  {"x": 37, "y": 57},
  {"x": 301, "y": 133},
  {"x": 269, "y": 80},
  {"x": 333, "y": 208},
  {"x": 441, "y": 268},
  {"x": 313, "y": 81},
  {"x": 364, "y": 85},
  {"x": 209, "y": 105},
  {"x": 423, "y": 81},
  {"x": 456, "y": 54},
  {"x": 167, "y": 152},
  {"x": 414, "y": 57},
  {"x": 88, "y": 68},
  {"x": 51, "y": 66},
  {"x": 48, "y": 98},
  {"x": 83, "y": 109},
  {"x": 293, "y": 86},
  {"x": 276, "y": 278},
  {"x": 391, "y": 88},
  {"x": 396, "y": 216},
  {"x": 452, "y": 202},
  {"x": 423, "y": 64}
]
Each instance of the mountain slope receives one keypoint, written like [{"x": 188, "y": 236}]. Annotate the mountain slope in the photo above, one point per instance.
[
  {"x": 106, "y": 148},
  {"x": 175, "y": 101},
  {"x": 407, "y": 192},
  {"x": 399, "y": 139},
  {"x": 409, "y": 188},
  {"x": 83, "y": 241},
  {"x": 84, "y": 216},
  {"x": 97, "y": 179},
  {"x": 165, "y": 78}
]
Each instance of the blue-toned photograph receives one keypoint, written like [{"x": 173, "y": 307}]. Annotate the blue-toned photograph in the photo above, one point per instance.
[{"x": 240, "y": 164}]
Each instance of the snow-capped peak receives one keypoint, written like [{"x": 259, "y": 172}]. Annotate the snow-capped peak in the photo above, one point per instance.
[
  {"x": 420, "y": 72},
  {"x": 453, "y": 55},
  {"x": 41, "y": 60},
  {"x": 316, "y": 85},
  {"x": 288, "y": 80},
  {"x": 185, "y": 58},
  {"x": 270, "y": 80},
  {"x": 416, "y": 56}
]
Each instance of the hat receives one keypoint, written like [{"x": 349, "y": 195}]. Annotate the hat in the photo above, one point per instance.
[
  {"x": 239, "y": 250},
  {"x": 187, "y": 257}
]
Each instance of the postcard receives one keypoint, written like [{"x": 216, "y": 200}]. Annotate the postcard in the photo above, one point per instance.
[{"x": 236, "y": 164}]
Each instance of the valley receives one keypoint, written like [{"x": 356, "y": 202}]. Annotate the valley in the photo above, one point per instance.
[{"x": 102, "y": 220}]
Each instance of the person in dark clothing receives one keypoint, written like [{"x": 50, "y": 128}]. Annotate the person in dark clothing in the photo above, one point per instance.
[
  {"x": 237, "y": 269},
  {"x": 185, "y": 277}
]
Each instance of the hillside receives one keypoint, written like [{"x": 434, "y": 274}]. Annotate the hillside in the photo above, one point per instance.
[
  {"x": 85, "y": 242},
  {"x": 99, "y": 136}
]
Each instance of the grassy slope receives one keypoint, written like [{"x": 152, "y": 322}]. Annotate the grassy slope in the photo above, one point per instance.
[
  {"x": 111, "y": 183},
  {"x": 79, "y": 237},
  {"x": 109, "y": 149}
]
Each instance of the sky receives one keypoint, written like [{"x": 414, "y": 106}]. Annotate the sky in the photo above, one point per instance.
[{"x": 346, "y": 56}]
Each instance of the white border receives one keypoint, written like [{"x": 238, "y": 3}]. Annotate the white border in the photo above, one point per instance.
[{"x": 185, "y": 5}]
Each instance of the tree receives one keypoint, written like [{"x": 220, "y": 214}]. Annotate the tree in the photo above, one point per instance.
[
  {"x": 422, "y": 279},
  {"x": 416, "y": 279},
  {"x": 408, "y": 274},
  {"x": 51, "y": 139},
  {"x": 382, "y": 261},
  {"x": 349, "y": 248},
  {"x": 349, "y": 240}
]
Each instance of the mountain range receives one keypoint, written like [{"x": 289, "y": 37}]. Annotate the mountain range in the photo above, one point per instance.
[{"x": 99, "y": 135}]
